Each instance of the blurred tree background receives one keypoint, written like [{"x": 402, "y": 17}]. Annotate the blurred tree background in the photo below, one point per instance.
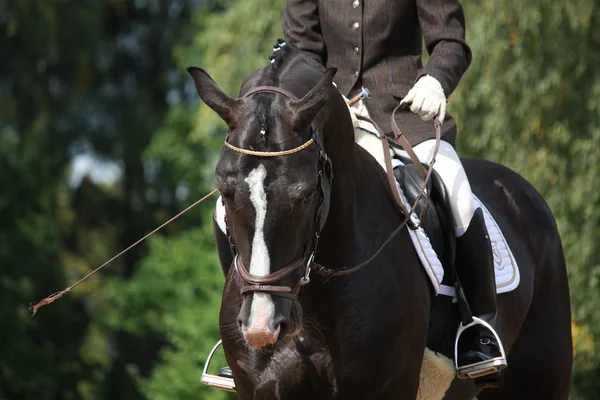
[{"x": 102, "y": 138}]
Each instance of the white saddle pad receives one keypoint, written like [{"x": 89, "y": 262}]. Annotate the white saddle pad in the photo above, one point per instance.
[{"x": 507, "y": 271}]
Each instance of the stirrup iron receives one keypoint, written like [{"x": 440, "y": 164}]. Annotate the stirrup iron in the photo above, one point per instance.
[
  {"x": 216, "y": 381},
  {"x": 483, "y": 368}
]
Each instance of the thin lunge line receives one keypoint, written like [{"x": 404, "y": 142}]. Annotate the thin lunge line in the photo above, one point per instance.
[{"x": 34, "y": 309}]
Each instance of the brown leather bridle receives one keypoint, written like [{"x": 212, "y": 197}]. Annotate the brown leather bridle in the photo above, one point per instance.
[{"x": 265, "y": 283}]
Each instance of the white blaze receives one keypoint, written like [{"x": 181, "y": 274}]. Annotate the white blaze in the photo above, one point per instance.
[
  {"x": 259, "y": 260},
  {"x": 262, "y": 306}
]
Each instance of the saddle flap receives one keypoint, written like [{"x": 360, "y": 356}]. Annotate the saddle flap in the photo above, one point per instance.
[{"x": 433, "y": 209}]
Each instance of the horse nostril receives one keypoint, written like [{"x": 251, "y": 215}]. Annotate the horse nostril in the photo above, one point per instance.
[
  {"x": 283, "y": 329},
  {"x": 241, "y": 325},
  {"x": 280, "y": 322}
]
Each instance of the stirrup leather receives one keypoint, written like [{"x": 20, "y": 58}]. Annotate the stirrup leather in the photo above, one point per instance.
[
  {"x": 216, "y": 381},
  {"x": 483, "y": 368}
]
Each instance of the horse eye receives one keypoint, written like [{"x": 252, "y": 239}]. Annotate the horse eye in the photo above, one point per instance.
[
  {"x": 228, "y": 194},
  {"x": 310, "y": 196}
]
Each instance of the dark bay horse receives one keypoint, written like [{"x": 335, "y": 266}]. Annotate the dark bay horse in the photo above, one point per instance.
[{"x": 291, "y": 173}]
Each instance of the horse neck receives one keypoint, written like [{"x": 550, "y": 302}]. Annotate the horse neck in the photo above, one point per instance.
[
  {"x": 338, "y": 132},
  {"x": 359, "y": 193}
]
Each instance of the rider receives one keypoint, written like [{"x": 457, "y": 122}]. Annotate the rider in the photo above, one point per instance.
[{"x": 378, "y": 45}]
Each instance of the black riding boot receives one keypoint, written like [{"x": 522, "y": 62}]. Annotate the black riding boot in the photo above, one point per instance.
[
  {"x": 480, "y": 351},
  {"x": 225, "y": 253},
  {"x": 224, "y": 249}
]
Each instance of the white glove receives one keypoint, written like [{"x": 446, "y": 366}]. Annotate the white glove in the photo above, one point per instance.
[{"x": 427, "y": 99}]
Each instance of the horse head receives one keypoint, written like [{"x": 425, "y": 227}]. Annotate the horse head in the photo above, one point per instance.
[{"x": 275, "y": 181}]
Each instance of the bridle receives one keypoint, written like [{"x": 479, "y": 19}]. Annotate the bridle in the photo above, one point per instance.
[{"x": 265, "y": 284}]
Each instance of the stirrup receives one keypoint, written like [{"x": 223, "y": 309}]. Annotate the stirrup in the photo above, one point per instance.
[
  {"x": 483, "y": 368},
  {"x": 216, "y": 381}
]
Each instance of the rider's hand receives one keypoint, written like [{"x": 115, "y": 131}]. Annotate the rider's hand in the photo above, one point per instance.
[{"x": 427, "y": 99}]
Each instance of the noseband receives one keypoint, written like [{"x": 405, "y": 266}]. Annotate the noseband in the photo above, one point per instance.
[{"x": 265, "y": 283}]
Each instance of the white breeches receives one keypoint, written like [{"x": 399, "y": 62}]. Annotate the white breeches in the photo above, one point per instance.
[
  {"x": 450, "y": 169},
  {"x": 447, "y": 165}
]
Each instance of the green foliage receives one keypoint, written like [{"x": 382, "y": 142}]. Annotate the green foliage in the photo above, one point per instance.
[
  {"x": 76, "y": 78},
  {"x": 232, "y": 45},
  {"x": 176, "y": 292},
  {"x": 39, "y": 358}
]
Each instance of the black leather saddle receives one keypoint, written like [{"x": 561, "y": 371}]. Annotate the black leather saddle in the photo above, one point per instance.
[{"x": 433, "y": 209}]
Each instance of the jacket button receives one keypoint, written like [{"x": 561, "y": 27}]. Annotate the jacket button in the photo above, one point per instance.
[
  {"x": 355, "y": 3},
  {"x": 356, "y": 50},
  {"x": 355, "y": 26}
]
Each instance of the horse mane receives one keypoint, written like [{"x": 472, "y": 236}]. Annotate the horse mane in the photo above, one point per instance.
[
  {"x": 283, "y": 58},
  {"x": 281, "y": 54}
]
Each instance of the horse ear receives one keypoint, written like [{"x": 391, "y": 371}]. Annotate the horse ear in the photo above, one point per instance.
[
  {"x": 228, "y": 108},
  {"x": 307, "y": 108}
]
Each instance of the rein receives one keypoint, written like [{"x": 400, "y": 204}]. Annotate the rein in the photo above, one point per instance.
[
  {"x": 264, "y": 283},
  {"x": 410, "y": 217}
]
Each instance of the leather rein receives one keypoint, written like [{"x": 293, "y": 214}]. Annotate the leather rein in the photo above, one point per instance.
[{"x": 265, "y": 283}]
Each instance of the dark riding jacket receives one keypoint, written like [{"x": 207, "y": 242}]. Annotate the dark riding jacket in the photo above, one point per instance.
[{"x": 378, "y": 44}]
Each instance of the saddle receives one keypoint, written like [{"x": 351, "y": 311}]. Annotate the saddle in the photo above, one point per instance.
[
  {"x": 433, "y": 209},
  {"x": 437, "y": 220}
]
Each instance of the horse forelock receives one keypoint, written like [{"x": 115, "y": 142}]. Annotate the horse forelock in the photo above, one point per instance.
[{"x": 264, "y": 115}]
